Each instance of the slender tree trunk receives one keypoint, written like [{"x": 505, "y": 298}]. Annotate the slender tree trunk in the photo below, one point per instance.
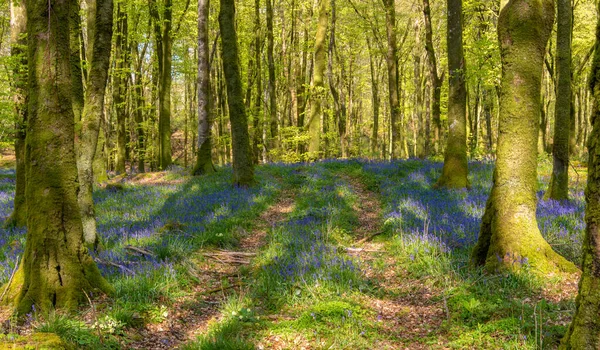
[
  {"x": 139, "y": 109},
  {"x": 509, "y": 236},
  {"x": 455, "y": 171},
  {"x": 243, "y": 169},
  {"x": 392, "y": 68},
  {"x": 164, "y": 48},
  {"x": 120, "y": 86},
  {"x": 314, "y": 123},
  {"x": 93, "y": 110},
  {"x": 584, "y": 331},
  {"x": 18, "y": 40},
  {"x": 436, "y": 79},
  {"x": 559, "y": 181},
  {"x": 56, "y": 270},
  {"x": 272, "y": 84},
  {"x": 375, "y": 102},
  {"x": 204, "y": 164}
]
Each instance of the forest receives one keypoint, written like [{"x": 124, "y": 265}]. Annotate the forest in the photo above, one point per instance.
[{"x": 325, "y": 174}]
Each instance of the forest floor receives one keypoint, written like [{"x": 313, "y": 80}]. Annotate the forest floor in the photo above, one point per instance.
[{"x": 331, "y": 255}]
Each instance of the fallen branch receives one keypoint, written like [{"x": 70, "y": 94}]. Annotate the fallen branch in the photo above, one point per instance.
[
  {"x": 104, "y": 262},
  {"x": 358, "y": 250},
  {"x": 214, "y": 290},
  {"x": 140, "y": 250}
]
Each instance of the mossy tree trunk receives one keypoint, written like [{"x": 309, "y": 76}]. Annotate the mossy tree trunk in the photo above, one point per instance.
[
  {"x": 56, "y": 270},
  {"x": 455, "y": 171},
  {"x": 204, "y": 164},
  {"x": 164, "y": 48},
  {"x": 18, "y": 40},
  {"x": 391, "y": 60},
  {"x": 559, "y": 181},
  {"x": 435, "y": 79},
  {"x": 320, "y": 61},
  {"x": 243, "y": 168},
  {"x": 584, "y": 331},
  {"x": 100, "y": 32},
  {"x": 120, "y": 86},
  {"x": 509, "y": 236}
]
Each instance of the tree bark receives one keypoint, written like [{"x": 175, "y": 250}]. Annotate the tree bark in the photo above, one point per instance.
[
  {"x": 120, "y": 86},
  {"x": 392, "y": 68},
  {"x": 455, "y": 170},
  {"x": 559, "y": 181},
  {"x": 272, "y": 82},
  {"x": 314, "y": 123},
  {"x": 509, "y": 237},
  {"x": 243, "y": 169},
  {"x": 56, "y": 270},
  {"x": 93, "y": 111},
  {"x": 584, "y": 331},
  {"x": 18, "y": 40},
  {"x": 204, "y": 164},
  {"x": 436, "y": 79}
]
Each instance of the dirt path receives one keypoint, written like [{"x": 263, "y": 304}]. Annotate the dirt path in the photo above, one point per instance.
[
  {"x": 406, "y": 308},
  {"x": 217, "y": 277}
]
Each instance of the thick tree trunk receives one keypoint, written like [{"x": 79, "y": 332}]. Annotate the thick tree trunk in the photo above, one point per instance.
[
  {"x": 93, "y": 111},
  {"x": 584, "y": 332},
  {"x": 509, "y": 236},
  {"x": 314, "y": 123},
  {"x": 204, "y": 164},
  {"x": 455, "y": 171},
  {"x": 559, "y": 181},
  {"x": 56, "y": 270},
  {"x": 243, "y": 169},
  {"x": 392, "y": 68},
  {"x": 18, "y": 40}
]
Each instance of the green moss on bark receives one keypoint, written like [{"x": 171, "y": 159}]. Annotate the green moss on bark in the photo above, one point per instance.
[{"x": 509, "y": 236}]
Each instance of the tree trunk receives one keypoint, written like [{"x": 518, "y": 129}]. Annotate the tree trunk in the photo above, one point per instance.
[
  {"x": 120, "y": 86},
  {"x": 318, "y": 93},
  {"x": 436, "y": 80},
  {"x": 509, "y": 236},
  {"x": 271, "y": 68},
  {"x": 93, "y": 110},
  {"x": 204, "y": 164},
  {"x": 559, "y": 181},
  {"x": 164, "y": 48},
  {"x": 375, "y": 102},
  {"x": 56, "y": 270},
  {"x": 18, "y": 40},
  {"x": 243, "y": 169},
  {"x": 455, "y": 171},
  {"x": 584, "y": 332},
  {"x": 392, "y": 68}
]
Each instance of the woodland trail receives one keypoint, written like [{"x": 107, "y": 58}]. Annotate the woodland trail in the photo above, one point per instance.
[{"x": 217, "y": 276}]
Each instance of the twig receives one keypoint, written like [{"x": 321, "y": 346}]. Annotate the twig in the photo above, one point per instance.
[
  {"x": 12, "y": 275},
  {"x": 94, "y": 316}
]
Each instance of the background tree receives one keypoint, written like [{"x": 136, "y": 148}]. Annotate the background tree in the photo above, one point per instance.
[
  {"x": 18, "y": 39},
  {"x": 56, "y": 269},
  {"x": 100, "y": 24},
  {"x": 559, "y": 182},
  {"x": 509, "y": 235},
  {"x": 204, "y": 163},
  {"x": 455, "y": 170},
  {"x": 243, "y": 169},
  {"x": 584, "y": 331}
]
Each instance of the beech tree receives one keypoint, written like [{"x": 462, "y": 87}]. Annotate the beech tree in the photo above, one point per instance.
[
  {"x": 509, "y": 235},
  {"x": 584, "y": 331},
  {"x": 243, "y": 168},
  {"x": 18, "y": 39},
  {"x": 56, "y": 270},
  {"x": 559, "y": 181},
  {"x": 455, "y": 171}
]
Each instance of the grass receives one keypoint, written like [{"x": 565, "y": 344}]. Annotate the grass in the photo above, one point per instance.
[{"x": 303, "y": 288}]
